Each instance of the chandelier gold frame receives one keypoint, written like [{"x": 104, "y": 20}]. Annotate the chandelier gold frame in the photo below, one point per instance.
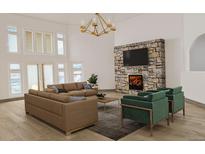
[{"x": 97, "y": 26}]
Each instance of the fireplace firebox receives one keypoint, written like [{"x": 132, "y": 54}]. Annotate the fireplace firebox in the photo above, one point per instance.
[{"x": 135, "y": 82}]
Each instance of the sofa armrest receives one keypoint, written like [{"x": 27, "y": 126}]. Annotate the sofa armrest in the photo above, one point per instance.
[
  {"x": 160, "y": 109},
  {"x": 142, "y": 98},
  {"x": 80, "y": 113},
  {"x": 138, "y": 103}
]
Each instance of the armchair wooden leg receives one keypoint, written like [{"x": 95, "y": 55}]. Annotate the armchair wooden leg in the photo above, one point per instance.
[
  {"x": 151, "y": 130},
  {"x": 121, "y": 119},
  {"x": 168, "y": 121},
  {"x": 184, "y": 109},
  {"x": 172, "y": 111},
  {"x": 151, "y": 123}
]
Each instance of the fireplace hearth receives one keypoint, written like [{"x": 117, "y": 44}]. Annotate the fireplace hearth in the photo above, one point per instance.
[{"x": 135, "y": 82}]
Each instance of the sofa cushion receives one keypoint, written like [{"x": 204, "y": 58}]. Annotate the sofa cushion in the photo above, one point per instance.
[
  {"x": 70, "y": 86},
  {"x": 60, "y": 98},
  {"x": 50, "y": 90},
  {"x": 80, "y": 85},
  {"x": 90, "y": 92},
  {"x": 76, "y": 93},
  {"x": 44, "y": 94},
  {"x": 59, "y": 86},
  {"x": 76, "y": 98},
  {"x": 33, "y": 92}
]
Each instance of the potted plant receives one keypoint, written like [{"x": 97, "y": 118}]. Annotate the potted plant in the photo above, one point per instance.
[{"x": 93, "y": 80}]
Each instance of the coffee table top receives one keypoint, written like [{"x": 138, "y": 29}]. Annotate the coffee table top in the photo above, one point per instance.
[{"x": 107, "y": 99}]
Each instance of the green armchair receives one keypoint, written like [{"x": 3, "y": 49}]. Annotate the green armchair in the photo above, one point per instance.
[
  {"x": 176, "y": 100},
  {"x": 147, "y": 108}
]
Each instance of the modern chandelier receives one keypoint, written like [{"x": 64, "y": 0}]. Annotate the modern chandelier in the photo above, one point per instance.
[{"x": 97, "y": 26}]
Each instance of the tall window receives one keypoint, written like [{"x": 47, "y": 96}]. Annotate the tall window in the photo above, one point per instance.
[
  {"x": 12, "y": 39},
  {"x": 48, "y": 43},
  {"x": 15, "y": 79},
  {"x": 33, "y": 77},
  {"x": 60, "y": 44},
  {"x": 39, "y": 42},
  {"x": 29, "y": 41},
  {"x": 77, "y": 72},
  {"x": 61, "y": 73},
  {"x": 47, "y": 74}
]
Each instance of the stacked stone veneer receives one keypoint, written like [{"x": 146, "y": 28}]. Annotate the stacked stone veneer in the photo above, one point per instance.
[{"x": 153, "y": 74}]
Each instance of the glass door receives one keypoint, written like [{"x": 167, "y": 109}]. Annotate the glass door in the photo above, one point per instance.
[
  {"x": 47, "y": 72},
  {"x": 33, "y": 77}
]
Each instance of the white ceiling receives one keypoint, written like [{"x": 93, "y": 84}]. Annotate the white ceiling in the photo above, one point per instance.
[{"x": 76, "y": 18}]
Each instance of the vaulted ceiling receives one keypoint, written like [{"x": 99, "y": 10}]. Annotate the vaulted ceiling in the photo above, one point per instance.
[{"x": 76, "y": 18}]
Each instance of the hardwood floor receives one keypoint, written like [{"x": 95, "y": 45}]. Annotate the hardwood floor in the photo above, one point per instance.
[{"x": 16, "y": 125}]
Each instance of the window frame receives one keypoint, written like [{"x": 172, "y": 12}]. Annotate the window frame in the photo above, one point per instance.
[
  {"x": 24, "y": 42},
  {"x": 9, "y": 81},
  {"x": 72, "y": 73},
  {"x": 13, "y": 33},
  {"x": 61, "y": 70},
  {"x": 60, "y": 39}
]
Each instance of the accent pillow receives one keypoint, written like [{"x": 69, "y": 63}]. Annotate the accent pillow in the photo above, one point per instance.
[
  {"x": 62, "y": 90},
  {"x": 76, "y": 98},
  {"x": 87, "y": 86},
  {"x": 55, "y": 89}
]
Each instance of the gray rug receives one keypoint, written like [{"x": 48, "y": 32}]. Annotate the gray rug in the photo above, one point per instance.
[{"x": 109, "y": 123}]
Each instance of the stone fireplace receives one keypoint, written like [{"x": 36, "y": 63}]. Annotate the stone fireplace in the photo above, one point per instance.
[
  {"x": 135, "y": 82},
  {"x": 152, "y": 75}
]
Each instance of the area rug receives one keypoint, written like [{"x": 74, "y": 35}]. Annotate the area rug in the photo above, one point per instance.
[{"x": 109, "y": 123}]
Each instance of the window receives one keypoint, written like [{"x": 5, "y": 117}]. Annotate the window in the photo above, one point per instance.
[
  {"x": 77, "y": 72},
  {"x": 47, "y": 74},
  {"x": 61, "y": 73},
  {"x": 60, "y": 44},
  {"x": 12, "y": 39},
  {"x": 48, "y": 48},
  {"x": 28, "y": 41},
  {"x": 32, "y": 76},
  {"x": 39, "y": 42},
  {"x": 15, "y": 79}
]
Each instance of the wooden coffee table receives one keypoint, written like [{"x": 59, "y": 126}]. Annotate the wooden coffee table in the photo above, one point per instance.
[{"x": 106, "y": 100}]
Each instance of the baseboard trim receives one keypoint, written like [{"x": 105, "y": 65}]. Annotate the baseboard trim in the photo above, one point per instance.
[
  {"x": 106, "y": 90},
  {"x": 11, "y": 99},
  {"x": 194, "y": 102}
]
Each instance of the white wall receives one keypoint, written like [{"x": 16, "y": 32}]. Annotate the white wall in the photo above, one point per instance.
[
  {"x": 193, "y": 82},
  {"x": 153, "y": 26},
  {"x": 6, "y": 58},
  {"x": 96, "y": 54}
]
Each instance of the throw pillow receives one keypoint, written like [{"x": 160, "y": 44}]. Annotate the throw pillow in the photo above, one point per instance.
[
  {"x": 62, "y": 90},
  {"x": 87, "y": 86},
  {"x": 55, "y": 89}
]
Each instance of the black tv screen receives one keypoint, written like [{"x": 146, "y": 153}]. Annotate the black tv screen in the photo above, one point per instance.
[{"x": 136, "y": 57}]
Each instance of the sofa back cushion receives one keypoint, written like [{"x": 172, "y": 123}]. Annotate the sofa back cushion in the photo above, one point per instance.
[
  {"x": 70, "y": 86},
  {"x": 59, "y": 86},
  {"x": 176, "y": 90},
  {"x": 44, "y": 94},
  {"x": 80, "y": 85},
  {"x": 156, "y": 96},
  {"x": 33, "y": 92},
  {"x": 60, "y": 98}
]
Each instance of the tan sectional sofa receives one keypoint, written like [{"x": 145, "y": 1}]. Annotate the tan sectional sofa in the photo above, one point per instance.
[
  {"x": 61, "y": 110},
  {"x": 74, "y": 89}
]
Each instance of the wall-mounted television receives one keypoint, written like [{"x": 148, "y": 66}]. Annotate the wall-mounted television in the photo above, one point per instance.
[{"x": 136, "y": 57}]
